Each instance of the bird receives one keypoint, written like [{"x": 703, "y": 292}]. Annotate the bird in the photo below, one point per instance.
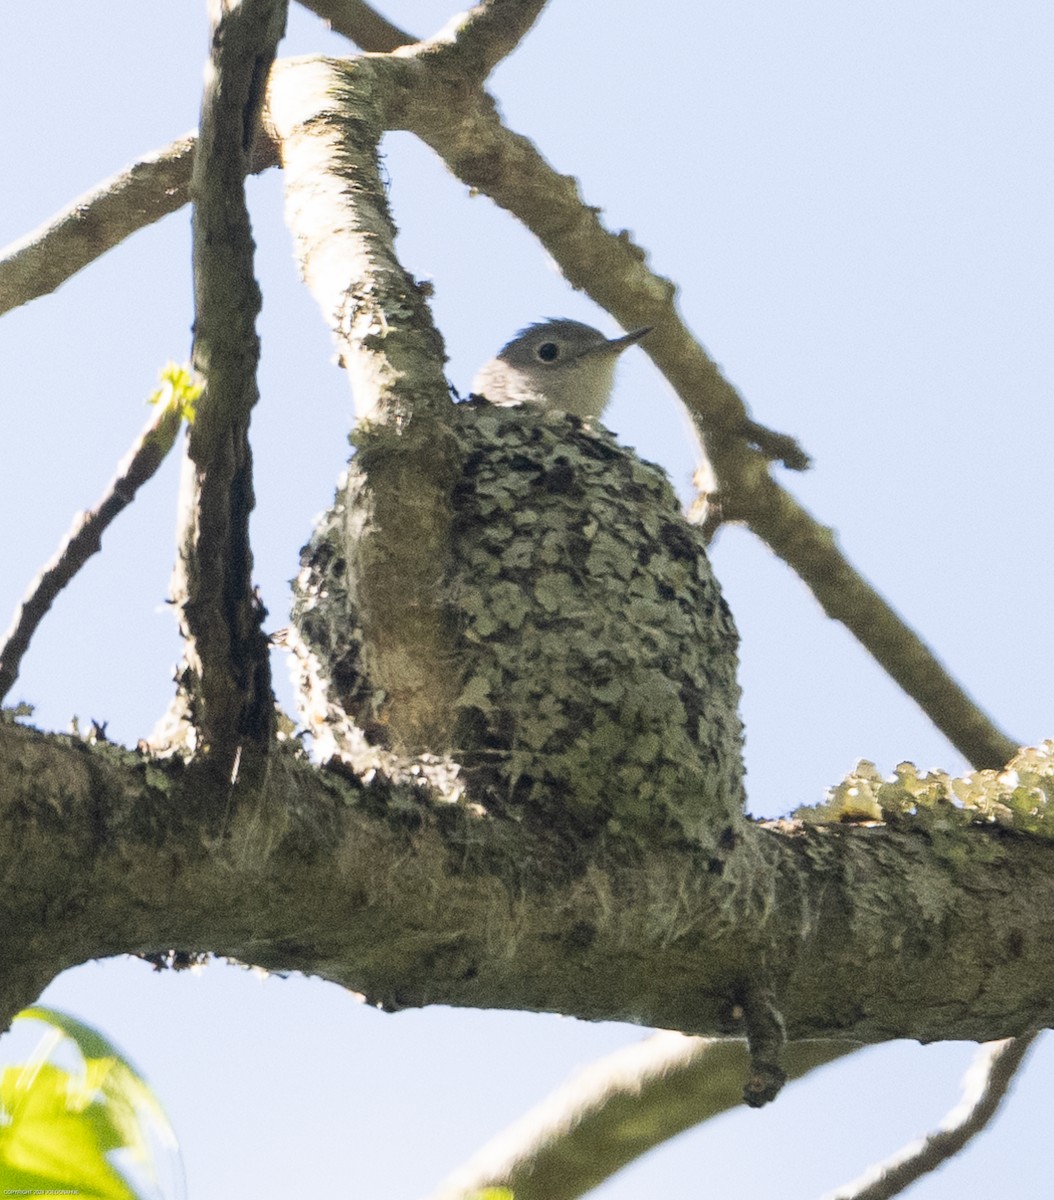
[{"x": 558, "y": 363}]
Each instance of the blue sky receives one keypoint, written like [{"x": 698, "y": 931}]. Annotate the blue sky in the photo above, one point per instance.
[{"x": 854, "y": 200}]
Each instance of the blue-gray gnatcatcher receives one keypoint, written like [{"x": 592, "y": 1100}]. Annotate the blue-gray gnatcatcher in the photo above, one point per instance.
[{"x": 557, "y": 363}]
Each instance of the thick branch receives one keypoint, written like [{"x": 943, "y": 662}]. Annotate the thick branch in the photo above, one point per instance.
[
  {"x": 617, "y": 1109},
  {"x": 85, "y": 538},
  {"x": 866, "y": 933},
  {"x": 226, "y": 682},
  {"x": 327, "y": 117}
]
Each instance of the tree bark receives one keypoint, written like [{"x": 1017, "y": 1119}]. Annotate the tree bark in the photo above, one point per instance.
[{"x": 862, "y": 932}]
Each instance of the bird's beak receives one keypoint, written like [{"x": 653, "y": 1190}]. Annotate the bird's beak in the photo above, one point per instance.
[{"x": 617, "y": 345}]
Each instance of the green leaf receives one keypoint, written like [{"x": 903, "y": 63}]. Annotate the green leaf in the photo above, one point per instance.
[
  {"x": 178, "y": 391},
  {"x": 58, "y": 1127}
]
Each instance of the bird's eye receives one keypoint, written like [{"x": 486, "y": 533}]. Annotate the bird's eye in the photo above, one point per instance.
[{"x": 548, "y": 351}]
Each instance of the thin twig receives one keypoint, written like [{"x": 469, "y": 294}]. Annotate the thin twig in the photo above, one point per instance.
[
  {"x": 766, "y": 1041},
  {"x": 984, "y": 1088},
  {"x": 85, "y": 538},
  {"x": 617, "y": 1109}
]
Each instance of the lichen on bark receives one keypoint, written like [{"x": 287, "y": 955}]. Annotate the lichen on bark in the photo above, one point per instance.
[{"x": 595, "y": 657}]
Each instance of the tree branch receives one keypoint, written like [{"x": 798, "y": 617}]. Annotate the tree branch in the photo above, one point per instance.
[
  {"x": 984, "y": 1089},
  {"x": 360, "y": 23},
  {"x": 479, "y": 38},
  {"x": 95, "y": 222},
  {"x": 470, "y": 137},
  {"x": 225, "y": 689},
  {"x": 468, "y": 134},
  {"x": 85, "y": 538},
  {"x": 617, "y": 1109},
  {"x": 811, "y": 551},
  {"x": 411, "y": 902},
  {"x": 478, "y": 148},
  {"x": 152, "y": 187},
  {"x": 484, "y": 35},
  {"x": 327, "y": 116}
]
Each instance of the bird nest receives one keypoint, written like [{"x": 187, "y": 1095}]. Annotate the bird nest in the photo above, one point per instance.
[{"x": 594, "y": 655}]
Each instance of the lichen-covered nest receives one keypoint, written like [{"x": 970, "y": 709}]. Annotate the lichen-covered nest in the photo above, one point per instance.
[{"x": 596, "y": 658}]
